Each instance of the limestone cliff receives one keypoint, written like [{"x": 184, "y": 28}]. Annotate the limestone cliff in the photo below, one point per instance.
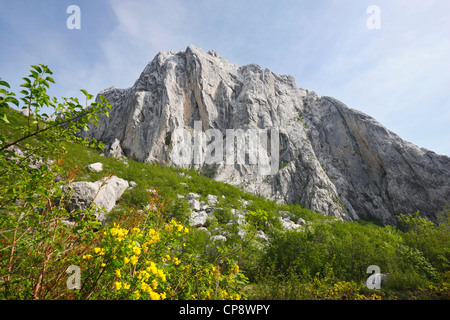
[{"x": 332, "y": 159}]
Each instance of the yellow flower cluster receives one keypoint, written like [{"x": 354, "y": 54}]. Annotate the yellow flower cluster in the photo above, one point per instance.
[
  {"x": 340, "y": 290},
  {"x": 143, "y": 260},
  {"x": 211, "y": 283},
  {"x": 225, "y": 295},
  {"x": 152, "y": 237},
  {"x": 99, "y": 251},
  {"x": 147, "y": 286},
  {"x": 173, "y": 225},
  {"x": 120, "y": 285},
  {"x": 118, "y": 233},
  {"x": 153, "y": 269}
]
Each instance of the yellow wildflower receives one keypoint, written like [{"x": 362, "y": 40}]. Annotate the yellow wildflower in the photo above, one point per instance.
[
  {"x": 136, "y": 230},
  {"x": 154, "y": 295},
  {"x": 152, "y": 268},
  {"x": 126, "y": 286},
  {"x": 234, "y": 269},
  {"x": 161, "y": 275},
  {"x": 126, "y": 260},
  {"x": 99, "y": 251},
  {"x": 137, "y": 250},
  {"x": 118, "y": 275},
  {"x": 134, "y": 259},
  {"x": 143, "y": 275},
  {"x": 87, "y": 257},
  {"x": 118, "y": 285}
]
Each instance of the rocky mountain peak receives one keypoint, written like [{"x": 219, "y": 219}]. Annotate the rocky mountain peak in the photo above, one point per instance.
[{"x": 328, "y": 157}]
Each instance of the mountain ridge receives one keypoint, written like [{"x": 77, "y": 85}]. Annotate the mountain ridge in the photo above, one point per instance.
[{"x": 333, "y": 159}]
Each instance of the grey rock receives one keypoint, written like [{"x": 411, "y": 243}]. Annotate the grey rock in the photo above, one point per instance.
[
  {"x": 192, "y": 195},
  {"x": 198, "y": 218},
  {"x": 212, "y": 199},
  {"x": 218, "y": 238},
  {"x": 195, "y": 205},
  {"x": 288, "y": 224},
  {"x": 132, "y": 184},
  {"x": 333, "y": 159},
  {"x": 104, "y": 193},
  {"x": 239, "y": 218},
  {"x": 115, "y": 150},
  {"x": 377, "y": 174},
  {"x": 24, "y": 111},
  {"x": 95, "y": 167}
]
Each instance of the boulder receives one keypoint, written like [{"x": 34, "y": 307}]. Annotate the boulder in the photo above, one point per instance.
[
  {"x": 212, "y": 199},
  {"x": 192, "y": 195},
  {"x": 198, "y": 219},
  {"x": 132, "y": 184},
  {"x": 95, "y": 167},
  {"x": 104, "y": 193},
  {"x": 195, "y": 205},
  {"x": 288, "y": 224}
]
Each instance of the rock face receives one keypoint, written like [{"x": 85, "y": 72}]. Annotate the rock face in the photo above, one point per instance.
[{"x": 332, "y": 159}]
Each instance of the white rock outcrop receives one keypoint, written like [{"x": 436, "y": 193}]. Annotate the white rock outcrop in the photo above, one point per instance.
[
  {"x": 104, "y": 193},
  {"x": 95, "y": 167}
]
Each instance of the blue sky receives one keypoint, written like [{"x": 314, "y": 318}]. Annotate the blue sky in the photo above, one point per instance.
[{"x": 399, "y": 74}]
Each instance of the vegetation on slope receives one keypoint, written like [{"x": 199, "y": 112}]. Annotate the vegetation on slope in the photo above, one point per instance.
[{"x": 147, "y": 250}]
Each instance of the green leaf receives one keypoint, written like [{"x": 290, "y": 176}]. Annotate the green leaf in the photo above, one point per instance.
[
  {"x": 12, "y": 100},
  {"x": 38, "y": 69},
  {"x": 4, "y": 118},
  {"x": 5, "y": 84}
]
